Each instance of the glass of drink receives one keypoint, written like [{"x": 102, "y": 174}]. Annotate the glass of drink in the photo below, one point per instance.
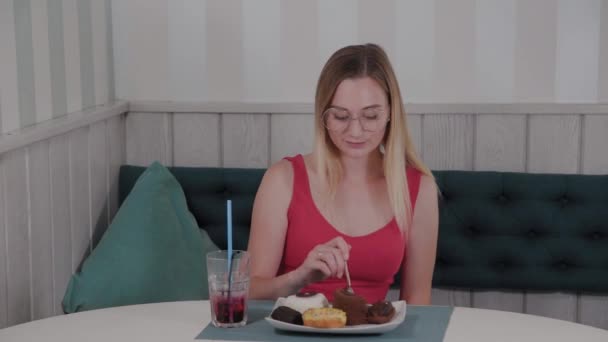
[{"x": 228, "y": 288}]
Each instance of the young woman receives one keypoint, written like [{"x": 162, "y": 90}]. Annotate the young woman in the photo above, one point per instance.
[{"x": 362, "y": 199}]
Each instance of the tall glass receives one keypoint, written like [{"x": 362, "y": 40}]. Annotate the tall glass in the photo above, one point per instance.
[{"x": 228, "y": 288}]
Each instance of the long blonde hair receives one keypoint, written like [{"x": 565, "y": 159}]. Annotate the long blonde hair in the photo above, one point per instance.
[{"x": 357, "y": 61}]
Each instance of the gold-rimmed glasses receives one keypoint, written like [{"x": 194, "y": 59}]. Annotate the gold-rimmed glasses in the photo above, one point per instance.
[{"x": 371, "y": 119}]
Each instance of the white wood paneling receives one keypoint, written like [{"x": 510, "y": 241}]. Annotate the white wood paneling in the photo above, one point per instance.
[
  {"x": 98, "y": 179},
  {"x": 555, "y": 305},
  {"x": 3, "y": 250},
  {"x": 595, "y": 140},
  {"x": 498, "y": 300},
  {"x": 196, "y": 139},
  {"x": 245, "y": 140},
  {"x": 149, "y": 138},
  {"x": 41, "y": 232},
  {"x": 56, "y": 193},
  {"x": 290, "y": 135},
  {"x": 593, "y": 310},
  {"x": 553, "y": 144},
  {"x": 17, "y": 236},
  {"x": 500, "y": 143},
  {"x": 448, "y": 141},
  {"x": 414, "y": 122},
  {"x": 79, "y": 194},
  {"x": 116, "y": 138},
  {"x": 451, "y": 297},
  {"x": 60, "y": 212}
]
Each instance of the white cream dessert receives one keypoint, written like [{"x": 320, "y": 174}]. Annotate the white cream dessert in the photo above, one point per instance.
[{"x": 304, "y": 301}]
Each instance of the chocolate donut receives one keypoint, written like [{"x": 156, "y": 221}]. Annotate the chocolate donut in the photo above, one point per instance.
[
  {"x": 380, "y": 312},
  {"x": 287, "y": 314},
  {"x": 354, "y": 306}
]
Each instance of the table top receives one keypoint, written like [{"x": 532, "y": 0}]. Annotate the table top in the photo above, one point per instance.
[{"x": 183, "y": 321}]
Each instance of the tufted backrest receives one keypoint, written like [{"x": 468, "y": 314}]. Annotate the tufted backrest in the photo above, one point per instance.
[
  {"x": 497, "y": 230},
  {"x": 523, "y": 231}
]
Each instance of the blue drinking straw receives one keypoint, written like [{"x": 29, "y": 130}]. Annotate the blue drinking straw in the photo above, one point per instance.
[{"x": 229, "y": 233}]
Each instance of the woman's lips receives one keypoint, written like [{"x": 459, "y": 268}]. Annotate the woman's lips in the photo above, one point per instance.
[{"x": 355, "y": 144}]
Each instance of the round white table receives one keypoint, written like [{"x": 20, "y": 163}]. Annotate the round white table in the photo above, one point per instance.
[{"x": 183, "y": 321}]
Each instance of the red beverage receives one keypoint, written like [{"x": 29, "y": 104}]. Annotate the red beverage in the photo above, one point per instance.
[{"x": 229, "y": 310}]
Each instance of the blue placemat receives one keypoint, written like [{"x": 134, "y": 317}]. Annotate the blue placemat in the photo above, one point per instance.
[{"x": 422, "y": 323}]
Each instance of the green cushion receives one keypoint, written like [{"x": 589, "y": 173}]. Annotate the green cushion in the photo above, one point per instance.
[{"x": 152, "y": 252}]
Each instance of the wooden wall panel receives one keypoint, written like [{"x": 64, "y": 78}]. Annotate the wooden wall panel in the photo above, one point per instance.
[
  {"x": 98, "y": 173},
  {"x": 41, "y": 232},
  {"x": 79, "y": 195},
  {"x": 414, "y": 122},
  {"x": 51, "y": 193},
  {"x": 245, "y": 140},
  {"x": 117, "y": 156},
  {"x": 554, "y": 143},
  {"x": 61, "y": 220},
  {"x": 500, "y": 143},
  {"x": 448, "y": 141},
  {"x": 451, "y": 297},
  {"x": 149, "y": 138},
  {"x": 3, "y": 250},
  {"x": 17, "y": 236},
  {"x": 196, "y": 139},
  {"x": 595, "y": 140},
  {"x": 290, "y": 134},
  {"x": 593, "y": 310}
]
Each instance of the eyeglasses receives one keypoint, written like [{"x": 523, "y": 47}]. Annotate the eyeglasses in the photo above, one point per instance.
[{"x": 371, "y": 119}]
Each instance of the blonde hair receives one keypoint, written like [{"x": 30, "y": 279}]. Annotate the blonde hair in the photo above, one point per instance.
[{"x": 358, "y": 61}]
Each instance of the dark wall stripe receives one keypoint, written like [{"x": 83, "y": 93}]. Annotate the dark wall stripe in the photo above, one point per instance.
[
  {"x": 25, "y": 62},
  {"x": 57, "y": 58},
  {"x": 87, "y": 68},
  {"x": 110, "y": 50}
]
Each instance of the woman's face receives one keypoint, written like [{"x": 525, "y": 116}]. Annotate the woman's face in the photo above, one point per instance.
[{"x": 365, "y": 101}]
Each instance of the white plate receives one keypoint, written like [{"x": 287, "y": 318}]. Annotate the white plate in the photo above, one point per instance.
[{"x": 400, "y": 310}]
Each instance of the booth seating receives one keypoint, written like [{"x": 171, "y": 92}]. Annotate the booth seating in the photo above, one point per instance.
[{"x": 497, "y": 230}]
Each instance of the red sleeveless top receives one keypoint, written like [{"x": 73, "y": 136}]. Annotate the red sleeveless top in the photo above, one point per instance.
[{"x": 375, "y": 258}]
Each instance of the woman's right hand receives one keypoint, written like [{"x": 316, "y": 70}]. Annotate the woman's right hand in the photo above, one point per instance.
[{"x": 324, "y": 261}]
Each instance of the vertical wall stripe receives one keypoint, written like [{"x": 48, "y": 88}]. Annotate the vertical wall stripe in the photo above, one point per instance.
[
  {"x": 120, "y": 47},
  {"x": 72, "y": 55},
  {"x": 9, "y": 94},
  {"x": 224, "y": 49},
  {"x": 377, "y": 24},
  {"x": 415, "y": 48},
  {"x": 42, "y": 66},
  {"x": 100, "y": 48},
  {"x": 261, "y": 46},
  {"x": 454, "y": 58},
  {"x": 149, "y": 62},
  {"x": 299, "y": 72},
  {"x": 87, "y": 68},
  {"x": 578, "y": 38},
  {"x": 535, "y": 51},
  {"x": 109, "y": 49},
  {"x": 602, "y": 87},
  {"x": 57, "y": 58},
  {"x": 3, "y": 251},
  {"x": 337, "y": 26},
  {"x": 187, "y": 73},
  {"x": 495, "y": 50},
  {"x": 25, "y": 62}
]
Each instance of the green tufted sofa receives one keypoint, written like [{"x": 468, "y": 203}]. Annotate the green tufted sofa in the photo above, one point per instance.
[{"x": 498, "y": 230}]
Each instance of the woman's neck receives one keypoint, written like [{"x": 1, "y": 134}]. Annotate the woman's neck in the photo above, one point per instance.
[{"x": 357, "y": 170}]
